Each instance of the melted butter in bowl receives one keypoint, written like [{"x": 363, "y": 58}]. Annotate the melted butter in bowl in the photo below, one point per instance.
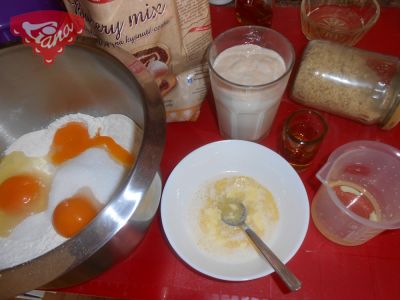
[
  {"x": 272, "y": 192},
  {"x": 215, "y": 237}
]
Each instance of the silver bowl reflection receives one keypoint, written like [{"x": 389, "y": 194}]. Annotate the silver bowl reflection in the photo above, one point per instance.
[{"x": 88, "y": 80}]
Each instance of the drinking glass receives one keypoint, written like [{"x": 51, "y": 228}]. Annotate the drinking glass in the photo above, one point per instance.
[
  {"x": 302, "y": 135},
  {"x": 246, "y": 110}
]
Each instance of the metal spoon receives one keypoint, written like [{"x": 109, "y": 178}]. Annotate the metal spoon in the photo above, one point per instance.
[{"x": 234, "y": 213}]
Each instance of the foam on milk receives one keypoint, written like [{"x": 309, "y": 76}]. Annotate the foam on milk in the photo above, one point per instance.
[{"x": 249, "y": 65}]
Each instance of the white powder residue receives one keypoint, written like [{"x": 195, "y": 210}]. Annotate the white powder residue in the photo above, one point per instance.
[
  {"x": 35, "y": 235},
  {"x": 93, "y": 169},
  {"x": 121, "y": 128}
]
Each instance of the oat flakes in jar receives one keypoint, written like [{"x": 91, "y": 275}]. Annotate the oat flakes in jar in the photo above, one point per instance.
[{"x": 349, "y": 82}]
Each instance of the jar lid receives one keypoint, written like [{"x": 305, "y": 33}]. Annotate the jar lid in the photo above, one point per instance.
[{"x": 393, "y": 117}]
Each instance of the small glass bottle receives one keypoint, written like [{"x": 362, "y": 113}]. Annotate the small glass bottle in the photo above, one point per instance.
[
  {"x": 350, "y": 82},
  {"x": 254, "y": 12}
]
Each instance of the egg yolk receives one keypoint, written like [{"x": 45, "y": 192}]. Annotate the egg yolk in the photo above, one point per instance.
[
  {"x": 19, "y": 195},
  {"x": 73, "y": 139},
  {"x": 72, "y": 214}
]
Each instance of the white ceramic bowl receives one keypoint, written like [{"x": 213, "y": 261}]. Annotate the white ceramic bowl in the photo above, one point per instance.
[{"x": 227, "y": 158}]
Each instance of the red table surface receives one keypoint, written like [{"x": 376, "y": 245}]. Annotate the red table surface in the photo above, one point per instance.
[{"x": 328, "y": 271}]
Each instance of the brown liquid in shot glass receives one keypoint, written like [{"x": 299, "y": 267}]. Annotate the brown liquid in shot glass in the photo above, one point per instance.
[{"x": 302, "y": 135}]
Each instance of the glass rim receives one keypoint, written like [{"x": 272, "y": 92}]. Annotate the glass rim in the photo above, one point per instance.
[
  {"x": 362, "y": 30},
  {"x": 309, "y": 111},
  {"x": 256, "y": 86}
]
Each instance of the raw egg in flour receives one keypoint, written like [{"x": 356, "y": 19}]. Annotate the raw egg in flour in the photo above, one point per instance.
[
  {"x": 73, "y": 138},
  {"x": 85, "y": 163},
  {"x": 78, "y": 184},
  {"x": 76, "y": 161},
  {"x": 74, "y": 213},
  {"x": 24, "y": 187}
]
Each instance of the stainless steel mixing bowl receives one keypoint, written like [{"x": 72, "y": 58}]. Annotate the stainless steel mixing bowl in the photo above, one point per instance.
[{"x": 88, "y": 80}]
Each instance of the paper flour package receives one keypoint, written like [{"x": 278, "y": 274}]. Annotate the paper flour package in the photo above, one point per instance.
[{"x": 170, "y": 37}]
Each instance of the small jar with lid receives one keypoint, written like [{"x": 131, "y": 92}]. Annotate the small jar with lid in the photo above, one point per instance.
[{"x": 350, "y": 82}]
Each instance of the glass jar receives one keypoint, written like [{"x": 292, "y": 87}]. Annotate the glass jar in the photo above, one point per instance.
[{"x": 350, "y": 82}]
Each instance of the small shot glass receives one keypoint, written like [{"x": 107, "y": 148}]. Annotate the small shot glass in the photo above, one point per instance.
[{"x": 302, "y": 135}]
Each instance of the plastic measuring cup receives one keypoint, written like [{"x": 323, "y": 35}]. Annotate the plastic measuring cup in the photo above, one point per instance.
[{"x": 360, "y": 193}]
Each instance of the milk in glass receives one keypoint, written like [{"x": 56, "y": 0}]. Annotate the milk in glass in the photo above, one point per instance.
[{"x": 248, "y": 82}]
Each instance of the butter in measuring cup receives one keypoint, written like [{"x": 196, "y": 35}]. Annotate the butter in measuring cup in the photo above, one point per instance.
[
  {"x": 360, "y": 193},
  {"x": 358, "y": 200}
]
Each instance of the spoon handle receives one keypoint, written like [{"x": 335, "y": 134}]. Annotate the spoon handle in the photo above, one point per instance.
[{"x": 291, "y": 281}]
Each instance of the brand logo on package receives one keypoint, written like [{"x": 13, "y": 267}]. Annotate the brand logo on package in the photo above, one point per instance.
[{"x": 47, "y": 31}]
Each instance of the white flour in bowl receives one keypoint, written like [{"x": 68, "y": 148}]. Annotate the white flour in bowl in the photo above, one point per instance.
[{"x": 35, "y": 235}]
